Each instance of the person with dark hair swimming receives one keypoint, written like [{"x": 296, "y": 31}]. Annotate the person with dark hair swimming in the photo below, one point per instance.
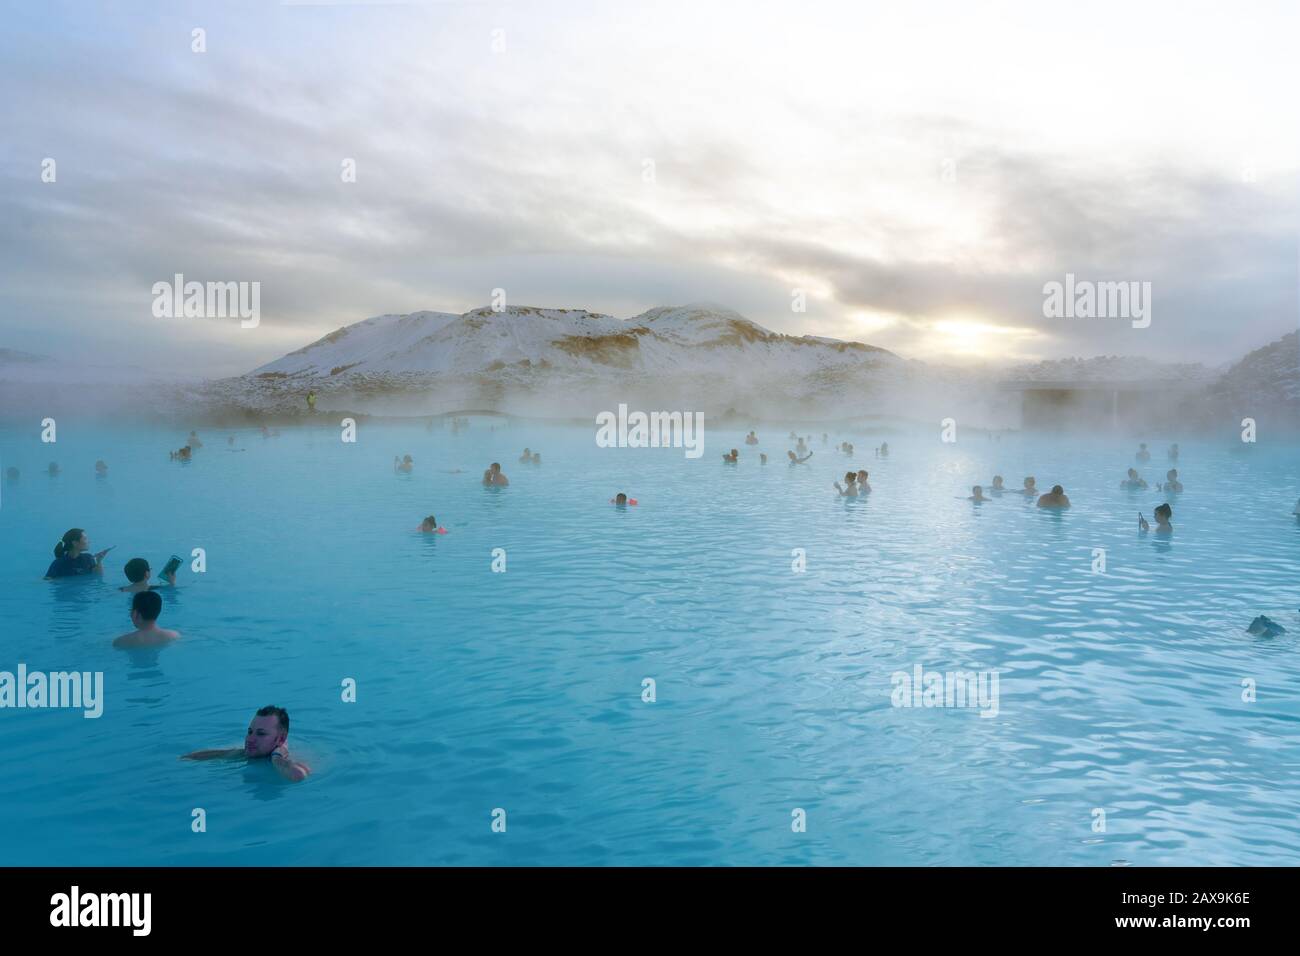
[
  {"x": 403, "y": 464},
  {"x": 795, "y": 460},
  {"x": 72, "y": 557},
  {"x": 430, "y": 526},
  {"x": 145, "y": 608},
  {"x": 977, "y": 495},
  {"x": 267, "y": 739},
  {"x": 863, "y": 487},
  {"x": 850, "y": 489},
  {"x": 1134, "y": 481},
  {"x": 732, "y": 457},
  {"x": 1031, "y": 488},
  {"x": 138, "y": 572},
  {"x": 751, "y": 439},
  {"x": 495, "y": 477},
  {"x": 997, "y": 488},
  {"x": 1172, "y": 484},
  {"x": 1162, "y": 513},
  {"x": 1056, "y": 499}
]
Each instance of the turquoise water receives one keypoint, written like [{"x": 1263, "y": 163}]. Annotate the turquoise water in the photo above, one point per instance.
[{"x": 523, "y": 690}]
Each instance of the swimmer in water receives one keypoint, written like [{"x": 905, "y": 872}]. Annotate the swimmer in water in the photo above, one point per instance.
[
  {"x": 977, "y": 495},
  {"x": 1172, "y": 484},
  {"x": 72, "y": 557},
  {"x": 998, "y": 487},
  {"x": 138, "y": 572},
  {"x": 267, "y": 739},
  {"x": 404, "y": 465},
  {"x": 101, "y": 468},
  {"x": 795, "y": 460},
  {"x": 1134, "y": 481},
  {"x": 1056, "y": 499},
  {"x": 1143, "y": 454},
  {"x": 1031, "y": 488},
  {"x": 527, "y": 457},
  {"x": 1162, "y": 514},
  {"x": 762, "y": 458},
  {"x": 145, "y": 608},
  {"x": 194, "y": 441},
  {"x": 621, "y": 500},
  {"x": 863, "y": 487},
  {"x": 884, "y": 449},
  {"x": 850, "y": 489},
  {"x": 801, "y": 446},
  {"x": 495, "y": 477},
  {"x": 537, "y": 458},
  {"x": 731, "y": 458},
  {"x": 430, "y": 526},
  {"x": 751, "y": 439},
  {"x": 53, "y": 469}
]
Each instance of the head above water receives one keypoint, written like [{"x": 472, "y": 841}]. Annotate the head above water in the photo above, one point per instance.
[
  {"x": 1163, "y": 513},
  {"x": 1172, "y": 474},
  {"x": 997, "y": 481},
  {"x": 430, "y": 523},
  {"x": 1132, "y": 473},
  {"x": 620, "y": 499},
  {"x": 145, "y": 607},
  {"x": 1029, "y": 482},
  {"x": 73, "y": 542},
  {"x": 1058, "y": 490},
  {"x": 137, "y": 570},
  {"x": 268, "y": 729},
  {"x": 495, "y": 467},
  {"x": 850, "y": 476}
]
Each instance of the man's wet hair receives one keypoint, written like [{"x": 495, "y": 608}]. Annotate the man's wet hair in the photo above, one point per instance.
[
  {"x": 1057, "y": 490},
  {"x": 270, "y": 710},
  {"x": 136, "y": 569},
  {"x": 148, "y": 604}
]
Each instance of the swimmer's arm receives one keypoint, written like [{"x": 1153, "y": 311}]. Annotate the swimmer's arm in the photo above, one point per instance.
[
  {"x": 224, "y": 753},
  {"x": 292, "y": 770}
]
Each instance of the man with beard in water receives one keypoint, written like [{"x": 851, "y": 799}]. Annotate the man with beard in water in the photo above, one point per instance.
[{"x": 265, "y": 740}]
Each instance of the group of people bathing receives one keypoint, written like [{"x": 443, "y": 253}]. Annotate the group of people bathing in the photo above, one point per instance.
[
  {"x": 801, "y": 452},
  {"x": 268, "y": 732},
  {"x": 1055, "y": 499}
]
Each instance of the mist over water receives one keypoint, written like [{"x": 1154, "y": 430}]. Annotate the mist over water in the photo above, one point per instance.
[{"x": 523, "y": 690}]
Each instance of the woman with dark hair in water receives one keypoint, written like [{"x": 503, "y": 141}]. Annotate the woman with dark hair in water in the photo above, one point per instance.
[
  {"x": 72, "y": 557},
  {"x": 850, "y": 489},
  {"x": 1162, "y": 513}
]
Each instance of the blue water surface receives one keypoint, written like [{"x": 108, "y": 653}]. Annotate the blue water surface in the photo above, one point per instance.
[{"x": 1119, "y": 691}]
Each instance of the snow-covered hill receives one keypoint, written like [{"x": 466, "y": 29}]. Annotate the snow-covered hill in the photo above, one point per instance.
[{"x": 563, "y": 361}]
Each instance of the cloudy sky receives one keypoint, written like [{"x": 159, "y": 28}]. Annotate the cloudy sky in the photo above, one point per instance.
[{"x": 919, "y": 169}]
